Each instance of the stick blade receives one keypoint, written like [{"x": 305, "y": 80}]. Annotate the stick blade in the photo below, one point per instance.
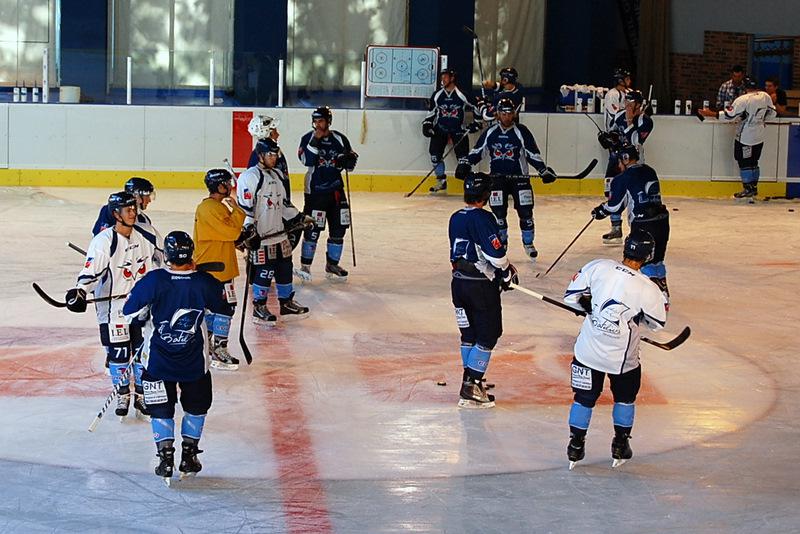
[
  {"x": 47, "y": 298},
  {"x": 672, "y": 343}
]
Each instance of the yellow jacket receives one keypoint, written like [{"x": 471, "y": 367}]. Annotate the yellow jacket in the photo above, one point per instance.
[{"x": 215, "y": 230}]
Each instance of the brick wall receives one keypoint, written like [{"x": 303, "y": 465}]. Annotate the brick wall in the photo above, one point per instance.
[{"x": 698, "y": 76}]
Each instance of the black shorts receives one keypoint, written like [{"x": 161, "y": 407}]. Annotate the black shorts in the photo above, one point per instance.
[
  {"x": 440, "y": 140},
  {"x": 195, "y": 396},
  {"x": 659, "y": 229},
  {"x": 479, "y": 314},
  {"x": 587, "y": 384},
  {"x": 747, "y": 156}
]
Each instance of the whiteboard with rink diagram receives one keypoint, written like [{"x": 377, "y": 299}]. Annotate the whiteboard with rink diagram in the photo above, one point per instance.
[{"x": 402, "y": 71}]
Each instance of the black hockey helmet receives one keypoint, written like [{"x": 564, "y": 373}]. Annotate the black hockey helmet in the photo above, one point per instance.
[
  {"x": 639, "y": 245},
  {"x": 178, "y": 248},
  {"x": 620, "y": 74},
  {"x": 477, "y": 187},
  {"x": 216, "y": 177},
  {"x": 634, "y": 96},
  {"x": 510, "y": 74},
  {"x": 750, "y": 82},
  {"x": 267, "y": 146},
  {"x": 506, "y": 105},
  {"x": 119, "y": 200},
  {"x": 628, "y": 150},
  {"x": 450, "y": 72},
  {"x": 139, "y": 186},
  {"x": 322, "y": 112}
]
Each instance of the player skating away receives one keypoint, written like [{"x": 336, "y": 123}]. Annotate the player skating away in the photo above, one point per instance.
[
  {"x": 510, "y": 147},
  {"x": 176, "y": 299},
  {"x": 116, "y": 258},
  {"x": 481, "y": 271},
  {"x": 631, "y": 126},
  {"x": 218, "y": 222},
  {"x": 325, "y": 153},
  {"x": 445, "y": 124},
  {"x": 637, "y": 190},
  {"x": 262, "y": 196},
  {"x": 619, "y": 300},
  {"x": 751, "y": 110}
]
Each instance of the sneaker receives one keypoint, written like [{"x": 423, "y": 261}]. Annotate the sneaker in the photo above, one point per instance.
[
  {"x": 123, "y": 401},
  {"x": 303, "y": 273},
  {"x": 440, "y": 185},
  {"x": 291, "y": 308},
  {"x": 531, "y": 251},
  {"x": 335, "y": 272},
  {"x": 621, "y": 450},
  {"x": 576, "y": 449},
  {"x": 613, "y": 237},
  {"x": 262, "y": 316},
  {"x": 473, "y": 395},
  {"x": 221, "y": 358}
]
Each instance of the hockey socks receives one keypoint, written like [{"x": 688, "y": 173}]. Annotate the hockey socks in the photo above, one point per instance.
[
  {"x": 192, "y": 426},
  {"x": 334, "y": 251},
  {"x": 465, "y": 350},
  {"x": 527, "y": 237},
  {"x": 307, "y": 252},
  {"x": 579, "y": 418},
  {"x": 285, "y": 291},
  {"x": 260, "y": 293},
  {"x": 623, "y": 414},
  {"x": 119, "y": 376},
  {"x": 163, "y": 429},
  {"x": 478, "y": 360}
]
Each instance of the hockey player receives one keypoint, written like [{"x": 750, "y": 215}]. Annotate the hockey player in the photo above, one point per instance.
[
  {"x": 144, "y": 192},
  {"x": 751, "y": 109},
  {"x": 444, "y": 124},
  {"x": 618, "y": 301},
  {"x": 262, "y": 195},
  {"x": 176, "y": 299},
  {"x": 218, "y": 222},
  {"x": 116, "y": 258},
  {"x": 508, "y": 87},
  {"x": 481, "y": 271},
  {"x": 510, "y": 147},
  {"x": 638, "y": 191},
  {"x": 325, "y": 153},
  {"x": 615, "y": 97},
  {"x": 631, "y": 126},
  {"x": 263, "y": 127}
]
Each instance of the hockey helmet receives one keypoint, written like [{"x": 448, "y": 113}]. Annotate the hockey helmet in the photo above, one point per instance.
[
  {"x": 178, "y": 248},
  {"x": 450, "y": 72},
  {"x": 322, "y": 112},
  {"x": 639, "y": 245},
  {"x": 139, "y": 186},
  {"x": 506, "y": 105},
  {"x": 634, "y": 96},
  {"x": 119, "y": 200},
  {"x": 260, "y": 126},
  {"x": 477, "y": 187},
  {"x": 216, "y": 177},
  {"x": 267, "y": 146},
  {"x": 510, "y": 74},
  {"x": 620, "y": 74},
  {"x": 628, "y": 151},
  {"x": 750, "y": 82}
]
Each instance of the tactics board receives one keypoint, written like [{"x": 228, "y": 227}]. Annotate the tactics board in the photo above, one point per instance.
[{"x": 402, "y": 71}]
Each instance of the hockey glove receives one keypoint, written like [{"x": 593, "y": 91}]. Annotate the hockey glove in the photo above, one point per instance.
[
  {"x": 604, "y": 139},
  {"x": 308, "y": 222},
  {"x": 474, "y": 127},
  {"x": 76, "y": 300},
  {"x": 599, "y": 212},
  {"x": 548, "y": 175},
  {"x": 427, "y": 129},
  {"x": 508, "y": 276},
  {"x": 463, "y": 170},
  {"x": 249, "y": 238},
  {"x": 585, "y": 302},
  {"x": 347, "y": 161}
]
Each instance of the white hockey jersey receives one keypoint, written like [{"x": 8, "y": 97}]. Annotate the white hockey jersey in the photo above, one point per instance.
[
  {"x": 113, "y": 265},
  {"x": 614, "y": 102},
  {"x": 262, "y": 196},
  {"x": 751, "y": 109},
  {"x": 622, "y": 300}
]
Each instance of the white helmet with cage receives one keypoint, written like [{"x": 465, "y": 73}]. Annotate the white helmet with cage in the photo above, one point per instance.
[{"x": 261, "y": 125}]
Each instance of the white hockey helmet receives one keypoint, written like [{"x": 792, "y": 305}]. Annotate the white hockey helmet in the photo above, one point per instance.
[{"x": 261, "y": 125}]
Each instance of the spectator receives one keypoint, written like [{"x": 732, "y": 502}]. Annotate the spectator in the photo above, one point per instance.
[
  {"x": 777, "y": 95},
  {"x": 732, "y": 89}
]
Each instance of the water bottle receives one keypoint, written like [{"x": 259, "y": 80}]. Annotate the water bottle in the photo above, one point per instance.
[
  {"x": 688, "y": 109},
  {"x": 677, "y": 107},
  {"x": 654, "y": 106}
]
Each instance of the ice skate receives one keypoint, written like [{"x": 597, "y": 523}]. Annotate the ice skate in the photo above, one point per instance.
[
  {"x": 166, "y": 456},
  {"x": 123, "y": 402},
  {"x": 290, "y": 309},
  {"x": 303, "y": 273},
  {"x": 139, "y": 406},
  {"x": 220, "y": 357},
  {"x": 473, "y": 395},
  {"x": 614, "y": 237},
  {"x": 189, "y": 465},
  {"x": 531, "y": 251},
  {"x": 621, "y": 450},
  {"x": 576, "y": 449},
  {"x": 335, "y": 273},
  {"x": 440, "y": 185},
  {"x": 262, "y": 316}
]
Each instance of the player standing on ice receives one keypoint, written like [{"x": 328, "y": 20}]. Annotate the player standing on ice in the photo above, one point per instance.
[
  {"x": 176, "y": 299},
  {"x": 481, "y": 271},
  {"x": 262, "y": 196},
  {"x": 144, "y": 192},
  {"x": 751, "y": 109},
  {"x": 218, "y": 222},
  {"x": 116, "y": 258},
  {"x": 637, "y": 189},
  {"x": 618, "y": 300},
  {"x": 445, "y": 124},
  {"x": 263, "y": 127},
  {"x": 510, "y": 147},
  {"x": 632, "y": 127},
  {"x": 325, "y": 153}
]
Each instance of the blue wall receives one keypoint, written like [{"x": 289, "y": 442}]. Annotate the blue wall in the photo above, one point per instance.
[{"x": 84, "y": 43}]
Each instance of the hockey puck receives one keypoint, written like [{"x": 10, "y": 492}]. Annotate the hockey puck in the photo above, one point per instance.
[
  {"x": 674, "y": 209},
  {"x": 441, "y": 383},
  {"x": 791, "y": 209}
]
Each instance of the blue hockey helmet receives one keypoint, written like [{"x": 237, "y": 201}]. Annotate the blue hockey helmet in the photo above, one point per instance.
[
  {"x": 634, "y": 96},
  {"x": 510, "y": 74},
  {"x": 119, "y": 200},
  {"x": 628, "y": 151},
  {"x": 216, "y": 177},
  {"x": 506, "y": 105},
  {"x": 139, "y": 186},
  {"x": 639, "y": 245},
  {"x": 267, "y": 146},
  {"x": 178, "y": 248},
  {"x": 620, "y": 74},
  {"x": 322, "y": 112},
  {"x": 477, "y": 187}
]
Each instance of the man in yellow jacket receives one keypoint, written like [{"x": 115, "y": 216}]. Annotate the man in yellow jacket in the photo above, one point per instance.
[{"x": 217, "y": 225}]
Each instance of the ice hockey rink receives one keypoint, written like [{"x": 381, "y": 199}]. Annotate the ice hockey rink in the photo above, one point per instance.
[{"x": 339, "y": 424}]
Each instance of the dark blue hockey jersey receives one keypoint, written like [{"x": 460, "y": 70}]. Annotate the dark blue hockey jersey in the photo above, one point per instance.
[
  {"x": 638, "y": 190},
  {"x": 175, "y": 333},
  {"x": 447, "y": 111},
  {"x": 322, "y": 174},
  {"x": 475, "y": 247},
  {"x": 510, "y": 150},
  {"x": 496, "y": 95},
  {"x": 637, "y": 132}
]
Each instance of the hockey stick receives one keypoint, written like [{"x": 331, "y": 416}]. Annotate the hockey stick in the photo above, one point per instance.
[
  {"x": 114, "y": 392},
  {"x": 242, "y": 343},
  {"x": 566, "y": 249},
  {"x": 460, "y": 139},
  {"x": 580, "y": 176},
  {"x": 470, "y": 31},
  {"x": 593, "y": 121},
  {"x": 669, "y": 345},
  {"x": 76, "y": 248},
  {"x": 350, "y": 211}
]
